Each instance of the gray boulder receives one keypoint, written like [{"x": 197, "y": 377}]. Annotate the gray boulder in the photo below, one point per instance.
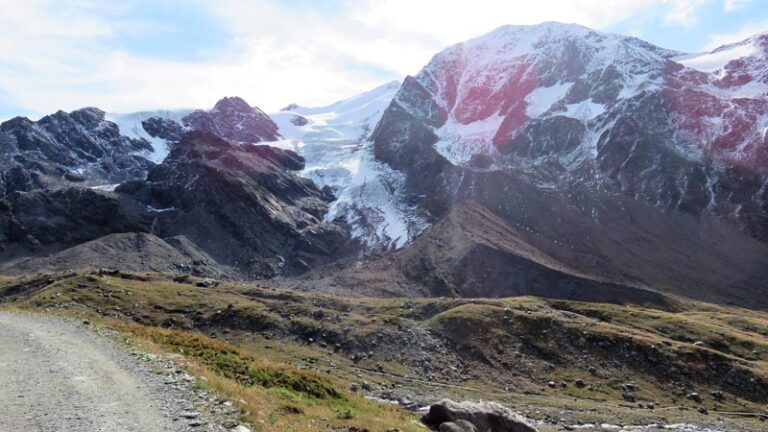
[{"x": 483, "y": 416}]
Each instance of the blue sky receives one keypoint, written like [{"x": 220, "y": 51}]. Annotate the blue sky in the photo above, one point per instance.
[{"x": 141, "y": 54}]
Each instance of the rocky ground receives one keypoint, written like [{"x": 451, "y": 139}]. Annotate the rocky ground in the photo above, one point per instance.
[{"x": 59, "y": 375}]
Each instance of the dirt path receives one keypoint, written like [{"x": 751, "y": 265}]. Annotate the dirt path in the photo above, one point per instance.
[{"x": 57, "y": 376}]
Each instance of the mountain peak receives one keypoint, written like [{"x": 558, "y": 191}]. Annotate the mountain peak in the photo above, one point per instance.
[
  {"x": 234, "y": 120},
  {"x": 232, "y": 103},
  {"x": 544, "y": 27}
]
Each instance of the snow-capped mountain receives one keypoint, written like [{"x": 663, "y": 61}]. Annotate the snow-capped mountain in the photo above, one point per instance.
[
  {"x": 629, "y": 162},
  {"x": 231, "y": 118},
  {"x": 487, "y": 88},
  {"x": 532, "y": 158},
  {"x": 552, "y": 101},
  {"x": 555, "y": 100},
  {"x": 333, "y": 140}
]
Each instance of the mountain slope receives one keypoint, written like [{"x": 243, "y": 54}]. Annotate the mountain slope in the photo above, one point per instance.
[
  {"x": 557, "y": 100},
  {"x": 470, "y": 253},
  {"x": 334, "y": 142}
]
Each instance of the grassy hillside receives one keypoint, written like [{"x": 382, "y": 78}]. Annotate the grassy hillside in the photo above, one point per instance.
[{"x": 291, "y": 357}]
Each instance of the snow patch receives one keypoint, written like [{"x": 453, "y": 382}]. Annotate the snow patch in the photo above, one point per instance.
[
  {"x": 458, "y": 142},
  {"x": 372, "y": 205},
  {"x": 106, "y": 188},
  {"x": 130, "y": 125},
  {"x": 541, "y": 99},
  {"x": 334, "y": 143},
  {"x": 585, "y": 111},
  {"x": 716, "y": 60}
]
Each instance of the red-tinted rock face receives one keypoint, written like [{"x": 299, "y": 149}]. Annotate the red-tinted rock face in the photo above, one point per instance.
[{"x": 723, "y": 109}]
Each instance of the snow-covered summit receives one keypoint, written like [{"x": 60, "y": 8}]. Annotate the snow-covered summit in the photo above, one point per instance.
[
  {"x": 488, "y": 87},
  {"x": 479, "y": 94},
  {"x": 572, "y": 109}
]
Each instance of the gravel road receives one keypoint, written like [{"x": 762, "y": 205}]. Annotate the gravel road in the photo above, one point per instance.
[{"x": 59, "y": 376}]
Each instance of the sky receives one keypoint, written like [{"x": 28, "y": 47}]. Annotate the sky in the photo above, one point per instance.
[{"x": 137, "y": 55}]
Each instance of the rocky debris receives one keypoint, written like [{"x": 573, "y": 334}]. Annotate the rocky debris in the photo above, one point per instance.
[
  {"x": 206, "y": 283},
  {"x": 628, "y": 396},
  {"x": 482, "y": 416},
  {"x": 130, "y": 252},
  {"x": 471, "y": 253},
  {"x": 199, "y": 408},
  {"x": 67, "y": 217}
]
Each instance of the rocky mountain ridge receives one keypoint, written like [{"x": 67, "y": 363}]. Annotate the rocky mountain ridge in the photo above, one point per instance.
[
  {"x": 65, "y": 149},
  {"x": 229, "y": 210}
]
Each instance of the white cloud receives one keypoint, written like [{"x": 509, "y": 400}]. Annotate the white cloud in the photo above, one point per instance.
[
  {"x": 684, "y": 12},
  {"x": 734, "y": 5},
  {"x": 60, "y": 54}
]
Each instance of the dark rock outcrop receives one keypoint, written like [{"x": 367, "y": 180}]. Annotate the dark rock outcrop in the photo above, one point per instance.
[
  {"x": 242, "y": 205},
  {"x": 164, "y": 128},
  {"x": 63, "y": 149}
]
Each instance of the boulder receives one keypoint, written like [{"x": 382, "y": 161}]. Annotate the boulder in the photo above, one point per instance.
[{"x": 484, "y": 416}]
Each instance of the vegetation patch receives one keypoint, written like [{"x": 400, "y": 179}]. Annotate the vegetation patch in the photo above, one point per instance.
[{"x": 232, "y": 363}]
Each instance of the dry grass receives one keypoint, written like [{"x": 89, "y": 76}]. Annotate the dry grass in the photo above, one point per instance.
[
  {"x": 268, "y": 361},
  {"x": 273, "y": 397}
]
